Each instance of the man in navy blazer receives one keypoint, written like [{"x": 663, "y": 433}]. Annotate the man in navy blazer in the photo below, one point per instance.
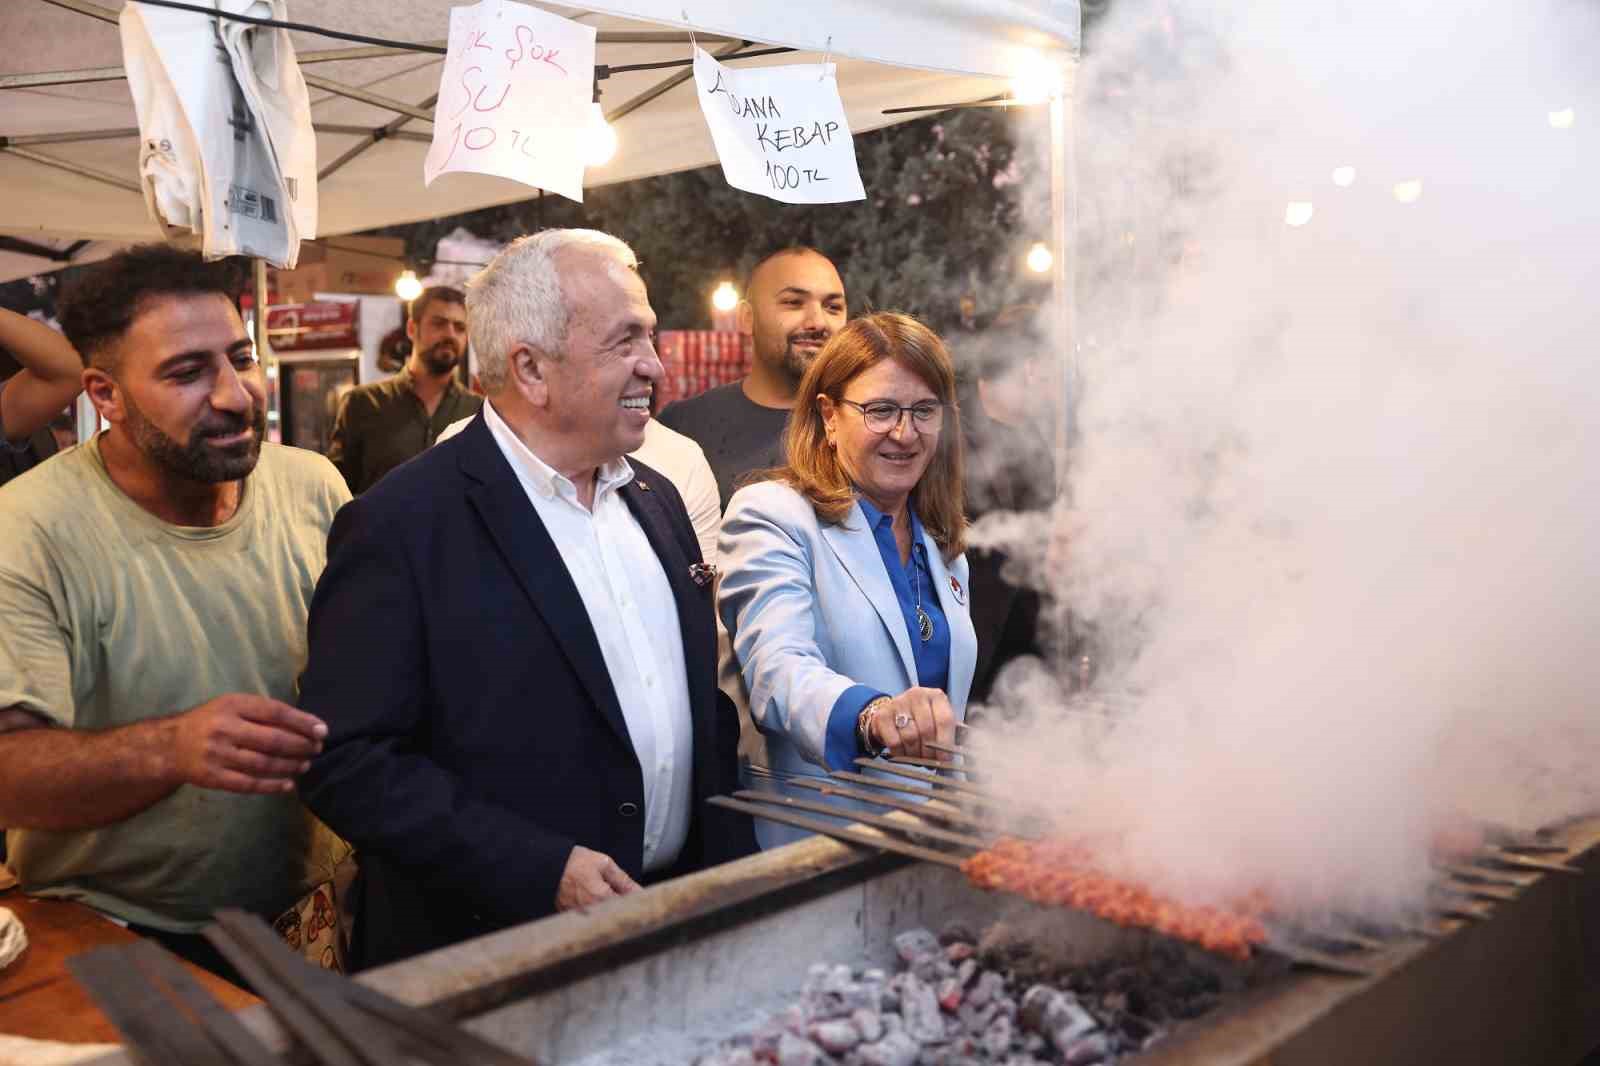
[{"x": 513, "y": 643}]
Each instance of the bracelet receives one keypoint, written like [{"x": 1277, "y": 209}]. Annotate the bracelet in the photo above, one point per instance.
[{"x": 864, "y": 725}]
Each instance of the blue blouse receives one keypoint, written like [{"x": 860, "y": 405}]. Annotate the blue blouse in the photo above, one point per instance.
[{"x": 912, "y": 582}]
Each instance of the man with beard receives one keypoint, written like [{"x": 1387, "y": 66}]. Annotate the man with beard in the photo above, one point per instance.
[
  {"x": 794, "y": 301},
  {"x": 383, "y": 424},
  {"x": 155, "y": 583}
]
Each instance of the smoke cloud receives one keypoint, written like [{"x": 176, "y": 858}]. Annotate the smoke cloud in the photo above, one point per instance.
[{"x": 1332, "y": 516}]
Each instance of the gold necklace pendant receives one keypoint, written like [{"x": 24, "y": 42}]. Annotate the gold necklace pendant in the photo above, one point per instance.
[{"x": 924, "y": 625}]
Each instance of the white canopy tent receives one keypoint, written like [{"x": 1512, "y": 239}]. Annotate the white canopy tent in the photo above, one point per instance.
[{"x": 68, "y": 136}]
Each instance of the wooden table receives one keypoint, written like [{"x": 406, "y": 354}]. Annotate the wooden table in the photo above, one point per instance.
[{"x": 40, "y": 999}]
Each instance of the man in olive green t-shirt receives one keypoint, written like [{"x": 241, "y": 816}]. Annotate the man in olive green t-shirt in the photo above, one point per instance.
[{"x": 154, "y": 586}]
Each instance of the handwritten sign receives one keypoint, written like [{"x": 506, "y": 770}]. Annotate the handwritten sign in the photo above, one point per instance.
[
  {"x": 780, "y": 131},
  {"x": 514, "y": 97}
]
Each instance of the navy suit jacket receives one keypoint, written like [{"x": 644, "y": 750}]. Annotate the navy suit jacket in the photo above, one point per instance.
[{"x": 474, "y": 733}]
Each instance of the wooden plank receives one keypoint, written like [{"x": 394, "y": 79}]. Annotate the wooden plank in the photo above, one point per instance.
[{"x": 844, "y": 833}]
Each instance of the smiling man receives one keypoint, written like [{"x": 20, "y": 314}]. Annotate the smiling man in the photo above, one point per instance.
[
  {"x": 539, "y": 725},
  {"x": 155, "y": 582},
  {"x": 383, "y": 424},
  {"x": 794, "y": 301}
]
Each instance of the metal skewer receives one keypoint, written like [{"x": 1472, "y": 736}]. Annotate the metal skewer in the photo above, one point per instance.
[
  {"x": 844, "y": 833},
  {"x": 1317, "y": 960},
  {"x": 964, "y": 787},
  {"x": 1466, "y": 872},
  {"x": 929, "y": 808},
  {"x": 877, "y": 821},
  {"x": 1522, "y": 862},
  {"x": 878, "y": 782},
  {"x": 928, "y": 764}
]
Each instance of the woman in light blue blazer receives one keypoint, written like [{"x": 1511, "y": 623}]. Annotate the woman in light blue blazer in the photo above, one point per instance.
[{"x": 844, "y": 587}]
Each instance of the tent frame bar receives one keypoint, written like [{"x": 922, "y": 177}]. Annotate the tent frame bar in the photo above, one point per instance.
[
  {"x": 72, "y": 168},
  {"x": 375, "y": 135},
  {"x": 667, "y": 84},
  {"x": 29, "y": 139}
]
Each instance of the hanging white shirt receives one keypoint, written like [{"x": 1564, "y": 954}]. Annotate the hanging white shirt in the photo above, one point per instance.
[{"x": 635, "y": 618}]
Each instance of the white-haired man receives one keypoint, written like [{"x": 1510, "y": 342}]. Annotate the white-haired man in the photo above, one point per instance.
[{"x": 530, "y": 733}]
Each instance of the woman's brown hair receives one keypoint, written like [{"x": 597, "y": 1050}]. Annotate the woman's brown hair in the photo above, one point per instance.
[{"x": 813, "y": 468}]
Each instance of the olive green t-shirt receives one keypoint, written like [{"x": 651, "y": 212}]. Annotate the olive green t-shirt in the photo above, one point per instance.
[{"x": 108, "y": 616}]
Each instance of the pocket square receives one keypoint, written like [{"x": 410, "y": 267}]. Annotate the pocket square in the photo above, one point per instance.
[{"x": 702, "y": 573}]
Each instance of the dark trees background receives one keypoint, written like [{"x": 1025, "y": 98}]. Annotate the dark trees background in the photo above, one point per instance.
[{"x": 954, "y": 202}]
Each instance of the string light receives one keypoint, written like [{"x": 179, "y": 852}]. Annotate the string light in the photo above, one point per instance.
[
  {"x": 725, "y": 297},
  {"x": 1298, "y": 213},
  {"x": 407, "y": 287},
  {"x": 1040, "y": 258},
  {"x": 599, "y": 138},
  {"x": 1036, "y": 82},
  {"x": 1563, "y": 120},
  {"x": 1408, "y": 192},
  {"x": 1344, "y": 177}
]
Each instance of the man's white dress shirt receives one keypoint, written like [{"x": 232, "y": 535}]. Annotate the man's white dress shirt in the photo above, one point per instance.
[{"x": 634, "y": 616}]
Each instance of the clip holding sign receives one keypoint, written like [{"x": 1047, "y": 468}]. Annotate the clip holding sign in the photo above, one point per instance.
[{"x": 827, "y": 58}]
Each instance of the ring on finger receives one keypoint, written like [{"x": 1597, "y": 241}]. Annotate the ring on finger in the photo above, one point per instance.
[{"x": 902, "y": 720}]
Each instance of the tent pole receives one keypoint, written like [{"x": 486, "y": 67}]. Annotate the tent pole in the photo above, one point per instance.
[
  {"x": 269, "y": 360},
  {"x": 1063, "y": 302}
]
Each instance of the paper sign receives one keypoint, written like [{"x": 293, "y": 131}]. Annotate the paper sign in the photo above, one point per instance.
[
  {"x": 514, "y": 98},
  {"x": 780, "y": 131}
]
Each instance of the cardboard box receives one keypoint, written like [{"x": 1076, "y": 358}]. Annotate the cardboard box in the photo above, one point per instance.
[{"x": 369, "y": 265}]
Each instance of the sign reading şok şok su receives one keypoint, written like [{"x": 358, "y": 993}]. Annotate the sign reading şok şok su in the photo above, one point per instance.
[
  {"x": 515, "y": 97},
  {"x": 780, "y": 131}
]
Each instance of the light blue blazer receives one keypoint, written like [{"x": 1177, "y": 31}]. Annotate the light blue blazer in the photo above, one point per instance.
[{"x": 809, "y": 612}]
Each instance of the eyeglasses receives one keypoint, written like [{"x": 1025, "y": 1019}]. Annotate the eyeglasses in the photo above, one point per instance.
[{"x": 882, "y": 416}]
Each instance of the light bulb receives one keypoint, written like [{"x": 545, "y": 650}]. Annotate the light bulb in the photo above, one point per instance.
[
  {"x": 1344, "y": 177},
  {"x": 1036, "y": 82},
  {"x": 725, "y": 297},
  {"x": 1562, "y": 120},
  {"x": 1040, "y": 259},
  {"x": 407, "y": 287},
  {"x": 1408, "y": 192},
  {"x": 599, "y": 138},
  {"x": 1298, "y": 213}
]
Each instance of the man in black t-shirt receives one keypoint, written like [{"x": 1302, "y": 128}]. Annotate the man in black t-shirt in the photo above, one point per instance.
[{"x": 794, "y": 302}]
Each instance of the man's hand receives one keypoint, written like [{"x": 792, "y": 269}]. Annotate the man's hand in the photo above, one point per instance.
[
  {"x": 589, "y": 878},
  {"x": 243, "y": 743},
  {"x": 912, "y": 718}
]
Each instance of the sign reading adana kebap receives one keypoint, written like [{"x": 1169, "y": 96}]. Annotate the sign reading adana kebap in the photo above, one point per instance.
[
  {"x": 780, "y": 131},
  {"x": 514, "y": 97}
]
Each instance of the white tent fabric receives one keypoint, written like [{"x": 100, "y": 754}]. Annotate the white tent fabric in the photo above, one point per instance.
[{"x": 947, "y": 51}]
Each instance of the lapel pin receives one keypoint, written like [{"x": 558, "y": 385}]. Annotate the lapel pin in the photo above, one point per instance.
[
  {"x": 959, "y": 592},
  {"x": 702, "y": 573},
  {"x": 644, "y": 486}
]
